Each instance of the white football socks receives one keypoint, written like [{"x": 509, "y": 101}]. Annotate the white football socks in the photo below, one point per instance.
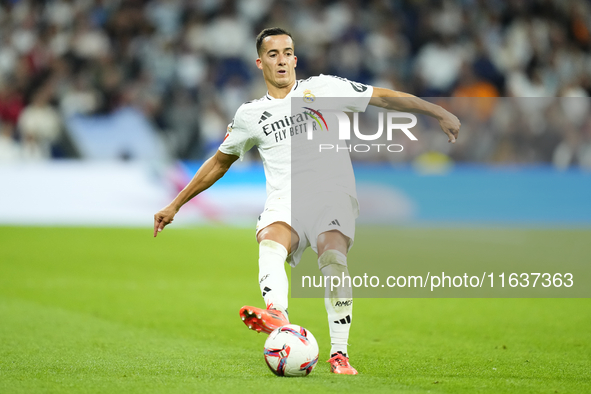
[
  {"x": 272, "y": 277},
  {"x": 338, "y": 301}
]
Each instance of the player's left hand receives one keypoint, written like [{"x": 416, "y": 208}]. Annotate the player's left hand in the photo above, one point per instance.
[
  {"x": 164, "y": 217},
  {"x": 450, "y": 124}
]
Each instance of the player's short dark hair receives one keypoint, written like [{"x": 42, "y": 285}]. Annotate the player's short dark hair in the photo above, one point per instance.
[{"x": 271, "y": 31}]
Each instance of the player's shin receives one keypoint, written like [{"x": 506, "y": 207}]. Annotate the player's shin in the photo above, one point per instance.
[
  {"x": 272, "y": 277},
  {"x": 338, "y": 298}
]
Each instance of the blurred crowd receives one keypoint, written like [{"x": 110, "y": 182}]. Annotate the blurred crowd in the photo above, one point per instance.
[
  {"x": 511, "y": 130},
  {"x": 187, "y": 65}
]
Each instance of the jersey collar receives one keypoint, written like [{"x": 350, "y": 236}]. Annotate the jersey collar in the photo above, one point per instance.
[{"x": 295, "y": 86}]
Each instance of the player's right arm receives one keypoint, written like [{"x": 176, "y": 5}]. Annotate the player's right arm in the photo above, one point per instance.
[{"x": 213, "y": 169}]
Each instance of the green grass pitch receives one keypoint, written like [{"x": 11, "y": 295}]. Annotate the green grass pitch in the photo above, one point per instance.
[{"x": 116, "y": 311}]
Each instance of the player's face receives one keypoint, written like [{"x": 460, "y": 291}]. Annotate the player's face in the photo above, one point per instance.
[{"x": 278, "y": 61}]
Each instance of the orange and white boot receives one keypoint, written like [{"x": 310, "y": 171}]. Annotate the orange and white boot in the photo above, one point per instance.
[
  {"x": 262, "y": 320},
  {"x": 339, "y": 364}
]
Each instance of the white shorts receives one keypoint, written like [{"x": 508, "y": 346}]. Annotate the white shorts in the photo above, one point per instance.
[{"x": 320, "y": 213}]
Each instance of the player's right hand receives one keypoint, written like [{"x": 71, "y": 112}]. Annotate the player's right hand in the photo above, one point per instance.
[{"x": 164, "y": 217}]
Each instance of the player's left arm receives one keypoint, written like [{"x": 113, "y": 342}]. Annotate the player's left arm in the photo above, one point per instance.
[{"x": 404, "y": 102}]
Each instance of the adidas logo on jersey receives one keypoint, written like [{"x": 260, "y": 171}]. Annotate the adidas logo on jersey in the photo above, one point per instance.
[
  {"x": 345, "y": 320},
  {"x": 266, "y": 115},
  {"x": 334, "y": 223}
]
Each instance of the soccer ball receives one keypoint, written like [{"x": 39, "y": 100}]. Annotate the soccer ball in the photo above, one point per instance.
[{"x": 291, "y": 350}]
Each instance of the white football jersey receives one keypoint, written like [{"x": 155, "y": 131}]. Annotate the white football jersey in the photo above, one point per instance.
[{"x": 270, "y": 124}]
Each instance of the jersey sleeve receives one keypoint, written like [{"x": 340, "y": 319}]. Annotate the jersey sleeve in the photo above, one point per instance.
[
  {"x": 357, "y": 94},
  {"x": 238, "y": 140}
]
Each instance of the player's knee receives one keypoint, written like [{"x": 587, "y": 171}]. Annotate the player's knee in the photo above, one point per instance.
[
  {"x": 333, "y": 240},
  {"x": 278, "y": 233}
]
